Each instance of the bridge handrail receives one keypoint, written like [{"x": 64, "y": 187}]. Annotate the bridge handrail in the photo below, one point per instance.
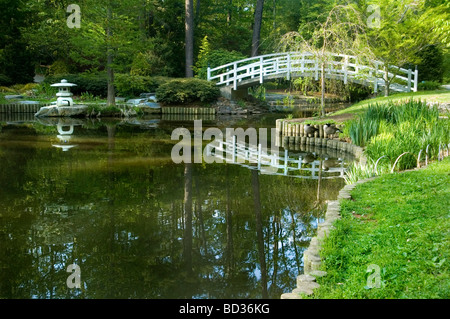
[{"x": 291, "y": 62}]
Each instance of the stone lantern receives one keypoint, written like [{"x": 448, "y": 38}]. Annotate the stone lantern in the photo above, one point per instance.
[{"x": 64, "y": 95}]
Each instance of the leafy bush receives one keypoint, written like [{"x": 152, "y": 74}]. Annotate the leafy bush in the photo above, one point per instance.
[
  {"x": 29, "y": 87},
  {"x": 428, "y": 86},
  {"x": 5, "y": 80},
  {"x": 431, "y": 66},
  {"x": 5, "y": 89},
  {"x": 133, "y": 85},
  {"x": 60, "y": 67},
  {"x": 45, "y": 90},
  {"x": 213, "y": 58},
  {"x": 357, "y": 92},
  {"x": 94, "y": 83},
  {"x": 305, "y": 84},
  {"x": 184, "y": 91},
  {"x": 147, "y": 63},
  {"x": 259, "y": 92}
]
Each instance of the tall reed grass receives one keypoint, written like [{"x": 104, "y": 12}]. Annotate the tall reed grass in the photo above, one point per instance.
[
  {"x": 391, "y": 129},
  {"x": 358, "y": 170}
]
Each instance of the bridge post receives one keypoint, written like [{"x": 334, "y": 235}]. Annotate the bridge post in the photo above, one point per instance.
[
  {"x": 288, "y": 67},
  {"x": 286, "y": 160},
  {"x": 416, "y": 79},
  {"x": 409, "y": 80},
  {"x": 259, "y": 155},
  {"x": 345, "y": 68},
  {"x": 302, "y": 64},
  {"x": 316, "y": 67},
  {"x": 375, "y": 88},
  {"x": 233, "y": 154},
  {"x": 261, "y": 69},
  {"x": 235, "y": 75}
]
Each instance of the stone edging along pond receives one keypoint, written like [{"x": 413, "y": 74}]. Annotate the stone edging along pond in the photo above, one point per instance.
[
  {"x": 306, "y": 283},
  {"x": 312, "y": 261}
]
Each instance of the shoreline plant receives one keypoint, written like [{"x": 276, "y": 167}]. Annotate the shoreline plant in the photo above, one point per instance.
[{"x": 404, "y": 133}]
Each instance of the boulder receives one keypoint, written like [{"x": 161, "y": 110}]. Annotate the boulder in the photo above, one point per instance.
[
  {"x": 13, "y": 97},
  {"x": 28, "y": 102},
  {"x": 62, "y": 111}
]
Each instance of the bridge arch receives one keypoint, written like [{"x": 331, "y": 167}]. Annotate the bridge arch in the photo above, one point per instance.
[{"x": 252, "y": 71}]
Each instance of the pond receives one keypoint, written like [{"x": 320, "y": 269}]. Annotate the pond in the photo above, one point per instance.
[{"x": 105, "y": 195}]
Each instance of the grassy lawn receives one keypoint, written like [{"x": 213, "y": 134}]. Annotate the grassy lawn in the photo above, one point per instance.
[
  {"x": 48, "y": 100},
  {"x": 441, "y": 96},
  {"x": 400, "y": 223},
  {"x": 341, "y": 116}
]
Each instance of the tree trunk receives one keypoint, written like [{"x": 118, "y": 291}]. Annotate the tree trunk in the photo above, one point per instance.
[
  {"x": 187, "y": 240},
  {"x": 189, "y": 37},
  {"x": 274, "y": 12},
  {"x": 229, "y": 230},
  {"x": 386, "y": 82},
  {"x": 111, "y": 99},
  {"x": 111, "y": 95},
  {"x": 257, "y": 27},
  {"x": 197, "y": 13},
  {"x": 322, "y": 84},
  {"x": 230, "y": 4}
]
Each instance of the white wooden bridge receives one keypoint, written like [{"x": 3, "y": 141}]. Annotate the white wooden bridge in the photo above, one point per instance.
[
  {"x": 273, "y": 162},
  {"x": 348, "y": 68}
]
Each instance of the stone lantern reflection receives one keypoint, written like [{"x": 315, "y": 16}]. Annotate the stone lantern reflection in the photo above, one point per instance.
[{"x": 64, "y": 137}]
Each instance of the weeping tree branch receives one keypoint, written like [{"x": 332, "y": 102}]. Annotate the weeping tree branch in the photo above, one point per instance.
[{"x": 342, "y": 31}]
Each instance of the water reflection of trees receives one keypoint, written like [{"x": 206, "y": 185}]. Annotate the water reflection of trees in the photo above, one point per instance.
[{"x": 149, "y": 230}]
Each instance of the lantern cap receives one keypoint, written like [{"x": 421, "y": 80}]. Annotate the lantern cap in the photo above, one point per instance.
[{"x": 63, "y": 83}]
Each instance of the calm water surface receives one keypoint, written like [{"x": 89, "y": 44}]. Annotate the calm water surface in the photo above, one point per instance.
[{"x": 140, "y": 226}]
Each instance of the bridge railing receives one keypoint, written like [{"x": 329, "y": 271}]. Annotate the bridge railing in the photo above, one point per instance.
[
  {"x": 294, "y": 64},
  {"x": 272, "y": 163}
]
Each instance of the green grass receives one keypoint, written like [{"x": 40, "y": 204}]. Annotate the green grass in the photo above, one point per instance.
[
  {"x": 42, "y": 93},
  {"x": 399, "y": 222},
  {"x": 441, "y": 96}
]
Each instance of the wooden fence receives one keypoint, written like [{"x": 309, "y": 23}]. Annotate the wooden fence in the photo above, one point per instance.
[
  {"x": 20, "y": 108},
  {"x": 188, "y": 110},
  {"x": 287, "y": 128}
]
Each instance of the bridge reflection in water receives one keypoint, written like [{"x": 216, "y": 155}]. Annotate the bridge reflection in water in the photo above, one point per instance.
[{"x": 307, "y": 162}]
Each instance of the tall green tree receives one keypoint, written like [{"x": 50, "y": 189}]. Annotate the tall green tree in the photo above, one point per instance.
[
  {"x": 403, "y": 32},
  {"x": 106, "y": 38},
  {"x": 161, "y": 43},
  {"x": 257, "y": 27},
  {"x": 189, "y": 40},
  {"x": 16, "y": 60}
]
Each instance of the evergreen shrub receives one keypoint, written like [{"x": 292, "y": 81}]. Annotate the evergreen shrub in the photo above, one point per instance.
[{"x": 185, "y": 91}]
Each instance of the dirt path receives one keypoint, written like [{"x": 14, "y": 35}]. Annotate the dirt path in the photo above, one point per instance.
[{"x": 337, "y": 118}]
